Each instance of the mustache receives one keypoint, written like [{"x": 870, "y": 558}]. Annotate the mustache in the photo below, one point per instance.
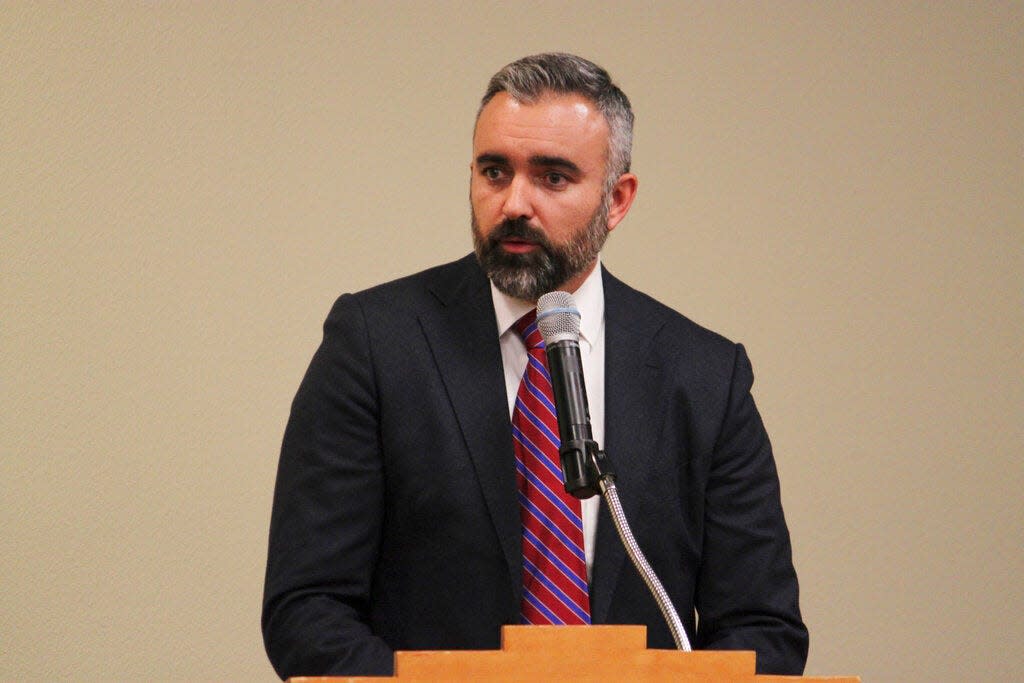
[{"x": 519, "y": 229}]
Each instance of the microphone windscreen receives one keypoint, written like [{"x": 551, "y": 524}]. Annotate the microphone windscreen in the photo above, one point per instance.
[{"x": 558, "y": 319}]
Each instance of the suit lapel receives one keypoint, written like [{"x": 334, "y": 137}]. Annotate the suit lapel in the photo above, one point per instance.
[
  {"x": 633, "y": 421},
  {"x": 462, "y": 334}
]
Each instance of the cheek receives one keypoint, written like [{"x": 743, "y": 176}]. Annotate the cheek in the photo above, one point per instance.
[
  {"x": 484, "y": 202},
  {"x": 566, "y": 216}
]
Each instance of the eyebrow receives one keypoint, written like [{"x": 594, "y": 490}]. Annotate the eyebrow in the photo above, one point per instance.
[
  {"x": 492, "y": 159},
  {"x": 536, "y": 160},
  {"x": 556, "y": 162}
]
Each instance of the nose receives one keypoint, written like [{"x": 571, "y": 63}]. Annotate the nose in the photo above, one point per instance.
[{"x": 518, "y": 198}]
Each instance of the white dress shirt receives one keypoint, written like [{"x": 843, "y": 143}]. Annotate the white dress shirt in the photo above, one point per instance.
[{"x": 590, "y": 301}]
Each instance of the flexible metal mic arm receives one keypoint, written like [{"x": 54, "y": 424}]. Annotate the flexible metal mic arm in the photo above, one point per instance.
[{"x": 598, "y": 477}]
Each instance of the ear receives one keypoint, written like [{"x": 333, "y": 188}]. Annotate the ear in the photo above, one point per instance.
[{"x": 622, "y": 195}]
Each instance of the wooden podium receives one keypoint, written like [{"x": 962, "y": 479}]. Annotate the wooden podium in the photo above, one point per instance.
[{"x": 577, "y": 653}]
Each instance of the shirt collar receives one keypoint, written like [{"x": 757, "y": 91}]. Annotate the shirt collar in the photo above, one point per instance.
[{"x": 589, "y": 299}]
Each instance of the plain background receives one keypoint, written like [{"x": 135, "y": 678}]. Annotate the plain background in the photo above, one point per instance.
[{"x": 186, "y": 187}]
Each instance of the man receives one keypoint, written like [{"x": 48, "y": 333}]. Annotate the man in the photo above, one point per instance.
[{"x": 400, "y": 515}]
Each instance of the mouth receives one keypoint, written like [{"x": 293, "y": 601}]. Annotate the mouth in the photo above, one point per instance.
[{"x": 515, "y": 245}]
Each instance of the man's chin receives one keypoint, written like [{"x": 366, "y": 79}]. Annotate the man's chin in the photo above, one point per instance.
[
  {"x": 525, "y": 276},
  {"x": 522, "y": 283},
  {"x": 519, "y": 265}
]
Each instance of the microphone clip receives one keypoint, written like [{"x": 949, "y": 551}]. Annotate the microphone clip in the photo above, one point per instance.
[{"x": 586, "y": 469}]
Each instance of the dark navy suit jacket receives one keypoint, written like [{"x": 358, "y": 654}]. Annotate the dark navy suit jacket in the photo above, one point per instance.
[{"x": 396, "y": 525}]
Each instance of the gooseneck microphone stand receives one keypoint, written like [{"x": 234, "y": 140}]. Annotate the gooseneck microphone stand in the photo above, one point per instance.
[{"x": 596, "y": 476}]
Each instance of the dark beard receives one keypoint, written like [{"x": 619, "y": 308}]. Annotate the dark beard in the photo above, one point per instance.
[{"x": 528, "y": 276}]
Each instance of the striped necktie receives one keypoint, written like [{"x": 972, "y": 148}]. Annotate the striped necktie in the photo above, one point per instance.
[{"x": 554, "y": 566}]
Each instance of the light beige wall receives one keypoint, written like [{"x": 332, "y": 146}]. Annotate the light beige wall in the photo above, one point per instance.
[{"x": 185, "y": 187}]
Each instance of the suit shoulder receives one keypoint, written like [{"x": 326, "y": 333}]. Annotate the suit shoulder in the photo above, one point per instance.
[
  {"x": 703, "y": 362},
  {"x": 629, "y": 307},
  {"x": 412, "y": 293}
]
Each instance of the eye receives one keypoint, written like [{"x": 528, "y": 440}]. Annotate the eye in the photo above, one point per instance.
[
  {"x": 555, "y": 179},
  {"x": 493, "y": 173}
]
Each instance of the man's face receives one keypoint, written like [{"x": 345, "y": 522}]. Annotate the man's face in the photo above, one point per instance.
[{"x": 539, "y": 211}]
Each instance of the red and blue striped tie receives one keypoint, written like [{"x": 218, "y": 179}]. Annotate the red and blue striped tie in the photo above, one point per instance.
[{"x": 554, "y": 566}]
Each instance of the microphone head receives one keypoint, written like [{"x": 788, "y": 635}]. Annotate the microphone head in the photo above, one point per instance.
[{"x": 558, "y": 319}]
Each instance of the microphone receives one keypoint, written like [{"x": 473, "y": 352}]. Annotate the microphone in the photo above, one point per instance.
[
  {"x": 585, "y": 467},
  {"x": 558, "y": 320}
]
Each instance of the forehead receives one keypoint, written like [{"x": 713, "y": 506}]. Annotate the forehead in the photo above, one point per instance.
[{"x": 570, "y": 126}]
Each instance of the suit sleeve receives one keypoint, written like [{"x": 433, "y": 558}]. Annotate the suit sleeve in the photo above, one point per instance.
[
  {"x": 327, "y": 514},
  {"x": 747, "y": 594}
]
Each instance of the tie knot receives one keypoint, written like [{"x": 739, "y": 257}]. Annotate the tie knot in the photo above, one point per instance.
[{"x": 527, "y": 329}]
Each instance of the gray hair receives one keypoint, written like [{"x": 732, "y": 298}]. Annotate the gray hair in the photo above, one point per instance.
[{"x": 528, "y": 79}]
